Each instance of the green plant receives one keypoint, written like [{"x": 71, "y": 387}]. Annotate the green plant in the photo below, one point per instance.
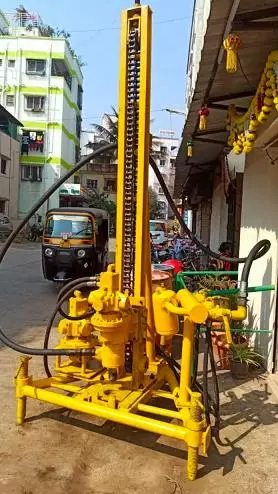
[{"x": 246, "y": 355}]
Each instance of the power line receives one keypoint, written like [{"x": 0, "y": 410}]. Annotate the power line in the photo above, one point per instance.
[{"x": 100, "y": 29}]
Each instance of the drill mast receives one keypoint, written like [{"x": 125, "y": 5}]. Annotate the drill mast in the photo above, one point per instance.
[{"x": 132, "y": 252}]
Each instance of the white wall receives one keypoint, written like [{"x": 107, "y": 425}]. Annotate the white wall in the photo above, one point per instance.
[
  {"x": 260, "y": 220},
  {"x": 199, "y": 27},
  {"x": 219, "y": 218},
  {"x": 9, "y": 149}
]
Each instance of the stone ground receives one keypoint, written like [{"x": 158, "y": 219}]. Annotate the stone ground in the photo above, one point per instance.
[{"x": 57, "y": 451}]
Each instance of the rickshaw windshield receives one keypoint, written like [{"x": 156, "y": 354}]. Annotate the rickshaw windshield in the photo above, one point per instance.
[{"x": 70, "y": 226}]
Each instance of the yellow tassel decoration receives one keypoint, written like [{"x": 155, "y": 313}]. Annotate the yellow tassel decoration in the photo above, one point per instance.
[{"x": 232, "y": 45}]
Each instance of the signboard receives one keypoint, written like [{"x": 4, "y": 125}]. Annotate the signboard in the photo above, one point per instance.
[{"x": 70, "y": 190}]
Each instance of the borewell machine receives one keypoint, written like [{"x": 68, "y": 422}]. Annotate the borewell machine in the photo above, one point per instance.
[{"x": 113, "y": 369}]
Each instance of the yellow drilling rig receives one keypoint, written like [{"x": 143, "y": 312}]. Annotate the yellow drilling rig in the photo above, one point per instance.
[{"x": 108, "y": 363}]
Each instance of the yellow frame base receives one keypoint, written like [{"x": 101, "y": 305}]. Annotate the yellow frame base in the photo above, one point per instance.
[{"x": 118, "y": 402}]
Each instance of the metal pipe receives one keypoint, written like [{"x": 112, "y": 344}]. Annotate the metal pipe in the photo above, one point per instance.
[
  {"x": 159, "y": 411},
  {"x": 208, "y": 273},
  {"x": 120, "y": 415},
  {"x": 234, "y": 291},
  {"x": 187, "y": 346}
]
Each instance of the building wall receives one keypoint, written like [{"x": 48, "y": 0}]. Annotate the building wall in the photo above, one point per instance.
[
  {"x": 167, "y": 170},
  {"x": 198, "y": 30},
  {"x": 219, "y": 218},
  {"x": 9, "y": 182},
  {"x": 57, "y": 120},
  {"x": 259, "y": 220}
]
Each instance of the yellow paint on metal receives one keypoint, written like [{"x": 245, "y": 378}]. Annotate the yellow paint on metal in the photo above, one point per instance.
[{"x": 124, "y": 371}]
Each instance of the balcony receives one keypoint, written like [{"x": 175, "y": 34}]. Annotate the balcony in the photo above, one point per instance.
[{"x": 102, "y": 168}]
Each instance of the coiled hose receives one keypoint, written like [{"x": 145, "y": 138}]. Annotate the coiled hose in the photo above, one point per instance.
[{"x": 86, "y": 282}]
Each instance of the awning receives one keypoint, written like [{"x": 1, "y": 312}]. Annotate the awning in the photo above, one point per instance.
[{"x": 257, "y": 28}]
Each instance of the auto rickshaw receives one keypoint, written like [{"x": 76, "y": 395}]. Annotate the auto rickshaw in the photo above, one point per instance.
[{"x": 75, "y": 243}]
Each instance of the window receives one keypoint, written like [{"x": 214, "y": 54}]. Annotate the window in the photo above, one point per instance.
[
  {"x": 10, "y": 100},
  {"x": 91, "y": 184},
  {"x": 173, "y": 148},
  {"x": 31, "y": 173},
  {"x": 11, "y": 64},
  {"x": 32, "y": 141},
  {"x": 59, "y": 69},
  {"x": 3, "y": 166},
  {"x": 79, "y": 97},
  {"x": 1, "y": 62},
  {"x": 34, "y": 103},
  {"x": 35, "y": 67},
  {"x": 162, "y": 162},
  {"x": 110, "y": 185},
  {"x": 173, "y": 163},
  {"x": 160, "y": 190},
  {"x": 78, "y": 126},
  {"x": 163, "y": 149}
]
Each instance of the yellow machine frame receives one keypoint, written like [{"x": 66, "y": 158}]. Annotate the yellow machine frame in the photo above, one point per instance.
[{"x": 132, "y": 318}]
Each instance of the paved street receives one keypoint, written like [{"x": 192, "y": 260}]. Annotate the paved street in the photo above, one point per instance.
[
  {"x": 27, "y": 298},
  {"x": 57, "y": 451}
]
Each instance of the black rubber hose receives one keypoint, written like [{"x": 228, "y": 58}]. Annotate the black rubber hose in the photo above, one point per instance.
[
  {"x": 264, "y": 245},
  {"x": 42, "y": 351},
  {"x": 57, "y": 309},
  {"x": 247, "y": 266},
  {"x": 46, "y": 340},
  {"x": 73, "y": 283},
  {"x": 50, "y": 191},
  {"x": 61, "y": 301}
]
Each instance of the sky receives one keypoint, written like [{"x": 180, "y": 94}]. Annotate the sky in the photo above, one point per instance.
[{"x": 94, "y": 28}]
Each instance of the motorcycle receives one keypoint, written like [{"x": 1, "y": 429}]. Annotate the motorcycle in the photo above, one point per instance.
[
  {"x": 160, "y": 253},
  {"x": 36, "y": 231}
]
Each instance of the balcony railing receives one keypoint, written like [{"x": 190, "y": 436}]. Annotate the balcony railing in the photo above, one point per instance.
[{"x": 102, "y": 168}]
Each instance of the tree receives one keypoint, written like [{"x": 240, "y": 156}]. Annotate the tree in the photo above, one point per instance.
[
  {"x": 100, "y": 200},
  {"x": 155, "y": 209},
  {"x": 108, "y": 132}
]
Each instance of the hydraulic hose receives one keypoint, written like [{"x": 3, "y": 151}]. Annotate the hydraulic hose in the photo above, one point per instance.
[
  {"x": 253, "y": 254},
  {"x": 62, "y": 297},
  {"x": 50, "y": 191},
  {"x": 263, "y": 245},
  {"x": 61, "y": 301},
  {"x": 42, "y": 351},
  {"x": 72, "y": 284}
]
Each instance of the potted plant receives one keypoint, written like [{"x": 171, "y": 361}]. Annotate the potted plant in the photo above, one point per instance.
[{"x": 242, "y": 359}]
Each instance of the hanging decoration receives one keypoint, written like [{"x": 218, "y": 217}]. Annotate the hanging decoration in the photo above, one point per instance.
[
  {"x": 203, "y": 114},
  {"x": 189, "y": 149},
  {"x": 243, "y": 127},
  {"x": 231, "y": 45}
]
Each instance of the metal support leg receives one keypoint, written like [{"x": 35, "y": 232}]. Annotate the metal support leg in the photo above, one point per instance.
[
  {"x": 21, "y": 379},
  {"x": 195, "y": 436}
]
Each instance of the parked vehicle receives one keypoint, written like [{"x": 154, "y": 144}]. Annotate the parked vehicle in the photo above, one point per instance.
[
  {"x": 36, "y": 230},
  {"x": 158, "y": 230},
  {"x": 75, "y": 243},
  {"x": 6, "y": 226},
  {"x": 160, "y": 252}
]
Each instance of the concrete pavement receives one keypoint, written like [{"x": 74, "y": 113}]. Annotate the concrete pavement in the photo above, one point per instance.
[{"x": 59, "y": 451}]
